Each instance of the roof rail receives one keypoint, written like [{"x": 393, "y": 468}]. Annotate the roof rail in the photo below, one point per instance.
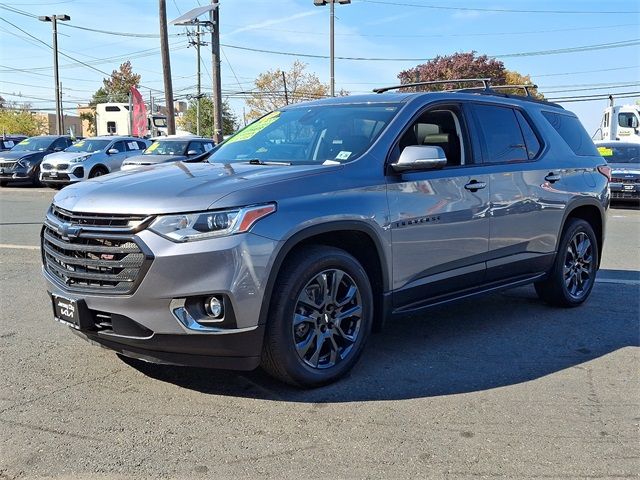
[
  {"x": 524, "y": 87},
  {"x": 485, "y": 83}
]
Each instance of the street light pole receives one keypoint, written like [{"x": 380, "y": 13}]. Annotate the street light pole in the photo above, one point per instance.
[
  {"x": 54, "y": 23},
  {"x": 319, "y": 3}
]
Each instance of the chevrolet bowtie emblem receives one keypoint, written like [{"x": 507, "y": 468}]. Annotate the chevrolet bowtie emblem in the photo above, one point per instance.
[{"x": 68, "y": 231}]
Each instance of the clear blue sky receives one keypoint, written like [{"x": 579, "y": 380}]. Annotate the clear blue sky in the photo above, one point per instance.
[{"x": 366, "y": 28}]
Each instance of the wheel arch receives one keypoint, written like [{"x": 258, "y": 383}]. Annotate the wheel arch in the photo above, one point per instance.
[
  {"x": 98, "y": 166},
  {"x": 592, "y": 213},
  {"x": 356, "y": 238}
]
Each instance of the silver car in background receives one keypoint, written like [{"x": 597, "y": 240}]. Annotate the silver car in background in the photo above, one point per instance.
[
  {"x": 88, "y": 158},
  {"x": 170, "y": 149}
]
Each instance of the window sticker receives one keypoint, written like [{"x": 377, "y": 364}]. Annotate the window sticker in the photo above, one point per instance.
[
  {"x": 208, "y": 147},
  {"x": 133, "y": 145},
  {"x": 254, "y": 128},
  {"x": 337, "y": 142},
  {"x": 343, "y": 155},
  {"x": 330, "y": 162},
  {"x": 605, "y": 152},
  {"x": 152, "y": 147}
]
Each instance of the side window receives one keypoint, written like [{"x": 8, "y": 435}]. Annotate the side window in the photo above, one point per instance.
[
  {"x": 530, "y": 138},
  {"x": 119, "y": 146},
  {"x": 132, "y": 146},
  {"x": 438, "y": 128},
  {"x": 572, "y": 132},
  {"x": 627, "y": 120},
  {"x": 141, "y": 145},
  {"x": 111, "y": 128},
  {"x": 60, "y": 143},
  {"x": 197, "y": 147},
  {"x": 606, "y": 120},
  {"x": 503, "y": 140}
]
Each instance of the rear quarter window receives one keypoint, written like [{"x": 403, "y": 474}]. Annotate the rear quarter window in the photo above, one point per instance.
[{"x": 572, "y": 132}]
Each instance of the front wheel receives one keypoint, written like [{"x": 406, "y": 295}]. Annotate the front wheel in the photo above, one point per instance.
[
  {"x": 98, "y": 172},
  {"x": 320, "y": 318},
  {"x": 574, "y": 270}
]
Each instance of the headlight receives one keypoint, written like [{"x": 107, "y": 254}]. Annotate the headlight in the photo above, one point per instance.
[
  {"x": 24, "y": 163},
  {"x": 80, "y": 159},
  {"x": 199, "y": 226}
]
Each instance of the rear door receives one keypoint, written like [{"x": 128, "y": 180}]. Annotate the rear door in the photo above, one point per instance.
[
  {"x": 114, "y": 160},
  {"x": 439, "y": 218},
  {"x": 526, "y": 207}
]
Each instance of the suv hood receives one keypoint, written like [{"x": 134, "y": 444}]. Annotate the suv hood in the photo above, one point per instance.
[
  {"x": 625, "y": 168},
  {"x": 15, "y": 156},
  {"x": 153, "y": 159},
  {"x": 58, "y": 157},
  {"x": 174, "y": 187}
]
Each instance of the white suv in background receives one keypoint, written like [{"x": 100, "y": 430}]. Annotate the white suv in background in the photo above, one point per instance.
[{"x": 88, "y": 158}]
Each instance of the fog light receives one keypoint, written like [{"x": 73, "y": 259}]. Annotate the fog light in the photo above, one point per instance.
[{"x": 213, "y": 307}]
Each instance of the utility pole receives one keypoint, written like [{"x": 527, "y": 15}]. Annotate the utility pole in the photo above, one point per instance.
[
  {"x": 166, "y": 68},
  {"x": 286, "y": 93},
  {"x": 54, "y": 24},
  {"x": 61, "y": 110},
  {"x": 320, "y": 3},
  {"x": 215, "y": 63},
  {"x": 198, "y": 43}
]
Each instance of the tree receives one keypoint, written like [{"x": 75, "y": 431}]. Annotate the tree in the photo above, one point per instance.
[
  {"x": 269, "y": 93},
  {"x": 189, "y": 120},
  {"x": 461, "y": 65},
  {"x": 114, "y": 89},
  {"x": 18, "y": 119}
]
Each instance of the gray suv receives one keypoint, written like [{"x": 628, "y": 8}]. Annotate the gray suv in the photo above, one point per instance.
[{"x": 319, "y": 222}]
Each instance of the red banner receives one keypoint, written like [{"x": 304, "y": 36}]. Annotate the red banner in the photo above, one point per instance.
[{"x": 139, "y": 115}]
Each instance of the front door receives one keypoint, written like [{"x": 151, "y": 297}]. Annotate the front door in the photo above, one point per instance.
[{"x": 439, "y": 218}]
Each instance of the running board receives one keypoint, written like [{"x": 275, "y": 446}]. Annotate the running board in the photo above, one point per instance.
[{"x": 416, "y": 307}]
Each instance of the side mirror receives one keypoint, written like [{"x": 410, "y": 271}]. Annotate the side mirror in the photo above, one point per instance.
[
  {"x": 58, "y": 149},
  {"x": 191, "y": 152},
  {"x": 113, "y": 151},
  {"x": 420, "y": 157}
]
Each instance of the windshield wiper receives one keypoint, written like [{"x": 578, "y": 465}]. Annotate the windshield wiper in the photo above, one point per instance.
[{"x": 257, "y": 161}]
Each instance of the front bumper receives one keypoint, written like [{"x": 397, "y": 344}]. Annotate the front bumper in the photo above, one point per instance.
[
  {"x": 73, "y": 174},
  {"x": 235, "y": 267},
  {"x": 17, "y": 173},
  {"x": 624, "y": 191}
]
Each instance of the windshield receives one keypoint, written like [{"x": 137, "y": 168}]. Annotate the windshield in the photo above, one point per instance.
[
  {"x": 34, "y": 144},
  {"x": 88, "y": 146},
  {"x": 166, "y": 147},
  {"x": 307, "y": 135},
  {"x": 620, "y": 153}
]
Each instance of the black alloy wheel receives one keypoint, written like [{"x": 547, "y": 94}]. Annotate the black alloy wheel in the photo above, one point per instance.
[{"x": 319, "y": 319}]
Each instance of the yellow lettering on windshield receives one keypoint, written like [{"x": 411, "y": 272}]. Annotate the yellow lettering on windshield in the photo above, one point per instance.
[
  {"x": 152, "y": 147},
  {"x": 605, "y": 152},
  {"x": 249, "y": 131},
  {"x": 79, "y": 144},
  {"x": 24, "y": 142}
]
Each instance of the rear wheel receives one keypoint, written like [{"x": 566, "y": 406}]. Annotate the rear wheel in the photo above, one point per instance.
[
  {"x": 98, "y": 172},
  {"x": 320, "y": 318},
  {"x": 574, "y": 270}
]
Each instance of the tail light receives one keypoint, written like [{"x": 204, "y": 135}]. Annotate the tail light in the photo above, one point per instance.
[{"x": 606, "y": 171}]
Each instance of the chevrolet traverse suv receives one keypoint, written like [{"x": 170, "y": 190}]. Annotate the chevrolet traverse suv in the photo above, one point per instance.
[{"x": 321, "y": 221}]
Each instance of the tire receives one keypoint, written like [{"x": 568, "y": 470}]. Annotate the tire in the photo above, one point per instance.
[
  {"x": 36, "y": 178},
  {"x": 574, "y": 269},
  {"x": 3, "y": 183},
  {"x": 295, "y": 328},
  {"x": 98, "y": 172}
]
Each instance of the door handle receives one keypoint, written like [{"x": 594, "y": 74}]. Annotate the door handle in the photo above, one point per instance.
[
  {"x": 552, "y": 177},
  {"x": 474, "y": 185}
]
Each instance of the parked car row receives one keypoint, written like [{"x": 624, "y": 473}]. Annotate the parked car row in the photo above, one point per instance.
[{"x": 59, "y": 160}]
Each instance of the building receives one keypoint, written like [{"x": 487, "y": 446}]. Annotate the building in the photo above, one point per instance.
[{"x": 68, "y": 121}]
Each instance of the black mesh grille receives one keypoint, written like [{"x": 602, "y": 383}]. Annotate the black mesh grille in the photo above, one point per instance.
[
  {"x": 96, "y": 260},
  {"x": 626, "y": 180},
  {"x": 7, "y": 164}
]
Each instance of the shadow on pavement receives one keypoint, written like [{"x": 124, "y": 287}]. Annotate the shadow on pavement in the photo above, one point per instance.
[{"x": 496, "y": 341}]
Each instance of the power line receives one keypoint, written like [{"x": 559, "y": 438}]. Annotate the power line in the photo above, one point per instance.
[
  {"x": 446, "y": 35},
  {"x": 589, "y": 98},
  {"x": 583, "y": 48},
  {"x": 496, "y": 10}
]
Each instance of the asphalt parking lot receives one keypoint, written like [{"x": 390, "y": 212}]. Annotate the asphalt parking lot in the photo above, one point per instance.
[{"x": 504, "y": 386}]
